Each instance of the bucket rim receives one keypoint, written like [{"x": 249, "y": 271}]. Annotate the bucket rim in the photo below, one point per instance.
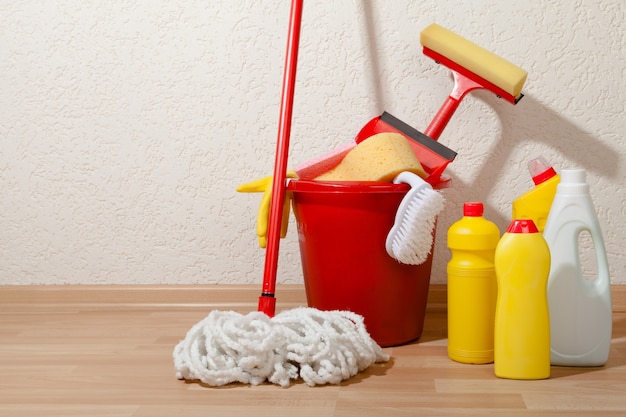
[{"x": 313, "y": 186}]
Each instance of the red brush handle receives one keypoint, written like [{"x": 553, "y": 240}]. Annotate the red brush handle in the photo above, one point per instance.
[{"x": 267, "y": 301}]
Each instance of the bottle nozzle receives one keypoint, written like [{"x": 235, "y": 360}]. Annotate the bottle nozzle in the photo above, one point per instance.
[{"x": 540, "y": 170}]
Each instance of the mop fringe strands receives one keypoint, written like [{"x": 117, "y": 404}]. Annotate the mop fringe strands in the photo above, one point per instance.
[{"x": 319, "y": 347}]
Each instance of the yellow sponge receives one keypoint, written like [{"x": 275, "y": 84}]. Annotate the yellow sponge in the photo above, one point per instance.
[
  {"x": 378, "y": 158},
  {"x": 474, "y": 58}
]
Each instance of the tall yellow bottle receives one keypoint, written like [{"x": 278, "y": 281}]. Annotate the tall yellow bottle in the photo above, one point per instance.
[
  {"x": 522, "y": 324},
  {"x": 472, "y": 287},
  {"x": 535, "y": 204}
]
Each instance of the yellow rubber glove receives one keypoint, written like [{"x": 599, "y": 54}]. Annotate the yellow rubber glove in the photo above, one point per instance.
[{"x": 264, "y": 185}]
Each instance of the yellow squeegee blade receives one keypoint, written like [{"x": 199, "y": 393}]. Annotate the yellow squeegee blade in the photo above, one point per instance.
[{"x": 500, "y": 72}]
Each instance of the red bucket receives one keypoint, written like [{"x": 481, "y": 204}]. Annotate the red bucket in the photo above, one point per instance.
[{"x": 342, "y": 228}]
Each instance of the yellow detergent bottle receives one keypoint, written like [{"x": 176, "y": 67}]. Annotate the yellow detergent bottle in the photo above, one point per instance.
[
  {"x": 535, "y": 204},
  {"x": 522, "y": 323},
  {"x": 472, "y": 287}
]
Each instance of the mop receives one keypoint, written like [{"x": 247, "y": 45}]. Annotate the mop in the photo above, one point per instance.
[{"x": 320, "y": 347}]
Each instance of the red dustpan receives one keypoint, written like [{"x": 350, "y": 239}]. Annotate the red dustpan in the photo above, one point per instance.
[{"x": 433, "y": 155}]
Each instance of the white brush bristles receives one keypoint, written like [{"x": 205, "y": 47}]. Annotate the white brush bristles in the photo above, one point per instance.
[{"x": 410, "y": 239}]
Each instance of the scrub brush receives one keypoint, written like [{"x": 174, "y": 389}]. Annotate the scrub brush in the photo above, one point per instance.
[{"x": 410, "y": 239}]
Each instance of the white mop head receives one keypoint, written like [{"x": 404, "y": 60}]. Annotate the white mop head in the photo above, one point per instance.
[
  {"x": 321, "y": 347},
  {"x": 411, "y": 237}
]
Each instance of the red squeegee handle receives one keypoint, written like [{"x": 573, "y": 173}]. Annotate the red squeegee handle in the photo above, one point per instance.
[
  {"x": 462, "y": 86},
  {"x": 267, "y": 301}
]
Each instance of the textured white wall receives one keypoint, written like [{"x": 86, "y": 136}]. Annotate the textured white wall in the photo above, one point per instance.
[{"x": 125, "y": 127}]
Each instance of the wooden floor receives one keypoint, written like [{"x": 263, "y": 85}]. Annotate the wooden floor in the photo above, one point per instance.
[{"x": 107, "y": 351}]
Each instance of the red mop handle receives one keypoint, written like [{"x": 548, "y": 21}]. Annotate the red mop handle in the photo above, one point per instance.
[{"x": 267, "y": 301}]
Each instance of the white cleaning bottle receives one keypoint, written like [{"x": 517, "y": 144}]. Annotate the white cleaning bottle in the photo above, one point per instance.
[{"x": 580, "y": 308}]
